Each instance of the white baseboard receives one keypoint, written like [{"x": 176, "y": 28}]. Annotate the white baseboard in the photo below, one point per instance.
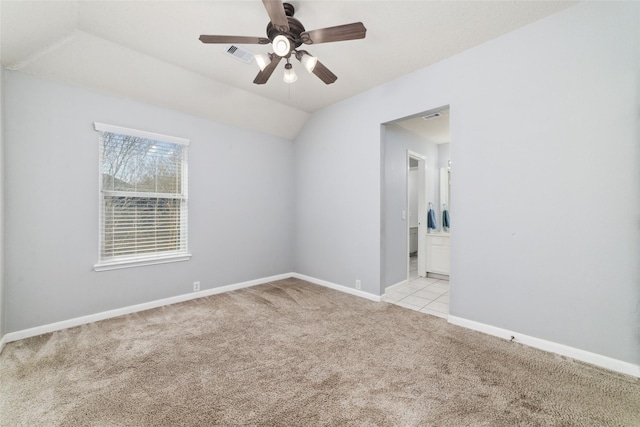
[
  {"x": 83, "y": 320},
  {"x": 395, "y": 285},
  {"x": 390, "y": 288},
  {"x": 337, "y": 287},
  {"x": 561, "y": 349},
  {"x": 582, "y": 355}
]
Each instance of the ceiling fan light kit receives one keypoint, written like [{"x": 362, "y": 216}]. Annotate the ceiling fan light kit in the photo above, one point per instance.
[
  {"x": 290, "y": 75},
  {"x": 281, "y": 45},
  {"x": 309, "y": 62},
  {"x": 286, "y": 34},
  {"x": 263, "y": 60}
]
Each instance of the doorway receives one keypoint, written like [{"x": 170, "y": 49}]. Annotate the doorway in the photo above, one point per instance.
[
  {"x": 416, "y": 152},
  {"x": 416, "y": 189}
]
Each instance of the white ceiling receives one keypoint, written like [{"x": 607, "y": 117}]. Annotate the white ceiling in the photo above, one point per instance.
[{"x": 149, "y": 50}]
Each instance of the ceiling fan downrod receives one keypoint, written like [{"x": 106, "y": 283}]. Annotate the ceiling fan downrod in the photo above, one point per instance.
[{"x": 278, "y": 33}]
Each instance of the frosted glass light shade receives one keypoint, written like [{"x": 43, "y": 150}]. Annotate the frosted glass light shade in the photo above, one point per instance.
[
  {"x": 262, "y": 60},
  {"x": 309, "y": 62},
  {"x": 290, "y": 75}
]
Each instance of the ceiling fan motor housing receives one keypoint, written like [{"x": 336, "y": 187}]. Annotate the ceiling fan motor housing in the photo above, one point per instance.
[{"x": 295, "y": 29}]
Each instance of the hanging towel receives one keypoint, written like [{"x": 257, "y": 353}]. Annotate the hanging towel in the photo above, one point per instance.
[
  {"x": 446, "y": 221},
  {"x": 431, "y": 219}
]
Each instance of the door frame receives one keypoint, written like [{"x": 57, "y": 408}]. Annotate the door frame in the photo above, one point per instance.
[{"x": 422, "y": 212}]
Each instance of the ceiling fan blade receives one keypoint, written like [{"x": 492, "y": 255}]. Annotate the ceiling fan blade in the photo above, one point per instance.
[
  {"x": 264, "y": 75},
  {"x": 334, "y": 34},
  {"x": 275, "y": 10},
  {"x": 234, "y": 39},
  {"x": 324, "y": 73}
]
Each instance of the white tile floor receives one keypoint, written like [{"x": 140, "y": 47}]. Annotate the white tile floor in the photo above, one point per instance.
[{"x": 423, "y": 294}]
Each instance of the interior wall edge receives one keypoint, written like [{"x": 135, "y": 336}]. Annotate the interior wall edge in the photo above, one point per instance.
[{"x": 2, "y": 245}]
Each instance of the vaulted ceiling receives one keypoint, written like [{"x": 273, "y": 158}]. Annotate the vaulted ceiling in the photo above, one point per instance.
[{"x": 149, "y": 50}]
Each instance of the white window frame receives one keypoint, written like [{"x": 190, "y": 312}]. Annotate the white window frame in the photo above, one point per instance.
[{"x": 152, "y": 258}]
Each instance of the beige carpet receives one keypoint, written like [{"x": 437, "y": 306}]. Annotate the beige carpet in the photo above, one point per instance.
[{"x": 295, "y": 354}]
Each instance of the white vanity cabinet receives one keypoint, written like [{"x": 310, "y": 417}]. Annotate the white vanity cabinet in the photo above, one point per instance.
[{"x": 438, "y": 253}]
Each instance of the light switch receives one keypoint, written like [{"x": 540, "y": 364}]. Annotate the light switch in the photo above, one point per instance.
[{"x": 404, "y": 215}]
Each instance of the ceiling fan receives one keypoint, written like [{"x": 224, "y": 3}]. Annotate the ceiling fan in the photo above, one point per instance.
[{"x": 287, "y": 34}]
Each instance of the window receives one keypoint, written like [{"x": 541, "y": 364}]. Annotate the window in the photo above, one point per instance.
[{"x": 143, "y": 198}]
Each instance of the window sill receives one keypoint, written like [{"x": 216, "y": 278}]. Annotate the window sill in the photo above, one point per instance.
[{"x": 117, "y": 265}]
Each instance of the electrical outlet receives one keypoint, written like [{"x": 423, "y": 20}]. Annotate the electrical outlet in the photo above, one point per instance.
[
  {"x": 196, "y": 286},
  {"x": 358, "y": 284}
]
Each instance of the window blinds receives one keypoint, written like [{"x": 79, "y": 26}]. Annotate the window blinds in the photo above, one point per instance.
[{"x": 143, "y": 188}]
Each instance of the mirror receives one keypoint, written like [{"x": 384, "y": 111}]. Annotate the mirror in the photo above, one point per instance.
[{"x": 445, "y": 197}]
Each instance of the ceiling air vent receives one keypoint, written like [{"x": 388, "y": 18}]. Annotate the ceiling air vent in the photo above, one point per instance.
[
  {"x": 239, "y": 53},
  {"x": 431, "y": 116}
]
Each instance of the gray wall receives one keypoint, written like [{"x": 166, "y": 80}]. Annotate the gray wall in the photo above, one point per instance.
[
  {"x": 444, "y": 155},
  {"x": 546, "y": 241},
  {"x": 396, "y": 142},
  {"x": 337, "y": 203},
  {"x": 240, "y": 204},
  {"x": 2, "y": 299}
]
